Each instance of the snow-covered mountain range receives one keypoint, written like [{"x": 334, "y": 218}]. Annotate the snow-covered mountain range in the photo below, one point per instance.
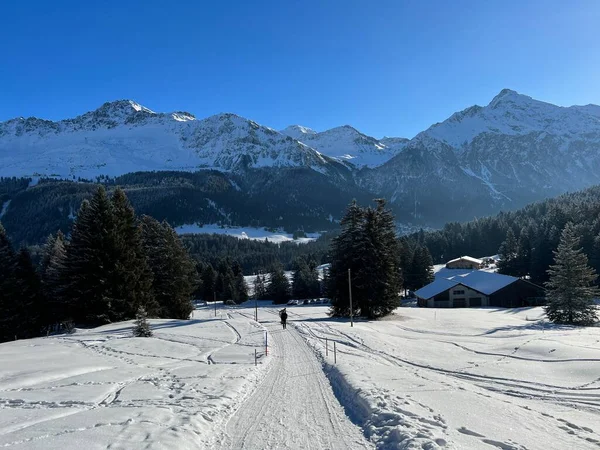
[
  {"x": 123, "y": 136},
  {"x": 346, "y": 143},
  {"x": 478, "y": 161},
  {"x": 513, "y": 151}
]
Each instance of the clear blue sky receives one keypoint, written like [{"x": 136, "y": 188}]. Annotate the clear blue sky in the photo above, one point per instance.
[{"x": 387, "y": 67}]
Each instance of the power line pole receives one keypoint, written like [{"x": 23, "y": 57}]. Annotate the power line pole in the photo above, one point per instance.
[{"x": 350, "y": 292}]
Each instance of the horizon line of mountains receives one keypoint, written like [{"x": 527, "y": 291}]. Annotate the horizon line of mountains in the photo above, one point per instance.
[{"x": 479, "y": 161}]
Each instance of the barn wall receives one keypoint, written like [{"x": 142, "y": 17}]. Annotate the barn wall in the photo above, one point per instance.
[{"x": 517, "y": 295}]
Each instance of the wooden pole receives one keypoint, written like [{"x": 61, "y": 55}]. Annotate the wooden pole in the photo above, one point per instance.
[
  {"x": 326, "y": 349},
  {"x": 255, "y": 363},
  {"x": 215, "y": 301},
  {"x": 266, "y": 343},
  {"x": 334, "y": 354}
]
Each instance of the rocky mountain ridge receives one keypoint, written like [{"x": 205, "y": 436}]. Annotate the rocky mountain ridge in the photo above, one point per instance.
[{"x": 480, "y": 160}]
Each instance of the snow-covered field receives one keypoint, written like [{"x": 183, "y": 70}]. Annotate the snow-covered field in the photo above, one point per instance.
[
  {"x": 257, "y": 234},
  {"x": 101, "y": 388},
  {"x": 424, "y": 378},
  {"x": 465, "y": 378}
]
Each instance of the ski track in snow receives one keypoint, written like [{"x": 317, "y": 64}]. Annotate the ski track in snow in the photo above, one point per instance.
[
  {"x": 578, "y": 398},
  {"x": 294, "y": 407},
  {"x": 453, "y": 384}
]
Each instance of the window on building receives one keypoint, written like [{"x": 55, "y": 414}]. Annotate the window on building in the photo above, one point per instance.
[{"x": 459, "y": 292}]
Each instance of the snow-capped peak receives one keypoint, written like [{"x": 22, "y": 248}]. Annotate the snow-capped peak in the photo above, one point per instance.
[
  {"x": 297, "y": 131},
  {"x": 123, "y": 136},
  {"x": 511, "y": 113},
  {"x": 345, "y": 143},
  {"x": 120, "y": 107}
]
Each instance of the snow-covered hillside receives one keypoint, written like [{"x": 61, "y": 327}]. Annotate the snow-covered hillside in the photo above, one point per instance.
[
  {"x": 514, "y": 114},
  {"x": 123, "y": 136},
  {"x": 347, "y": 144},
  {"x": 456, "y": 379},
  {"x": 513, "y": 151}
]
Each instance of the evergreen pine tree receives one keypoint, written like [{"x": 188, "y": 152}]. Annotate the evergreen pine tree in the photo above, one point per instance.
[
  {"x": 29, "y": 299},
  {"x": 523, "y": 255},
  {"x": 209, "y": 282},
  {"x": 142, "y": 327},
  {"x": 305, "y": 281},
  {"x": 346, "y": 253},
  {"x": 369, "y": 247},
  {"x": 570, "y": 292},
  {"x": 9, "y": 309},
  {"x": 406, "y": 259},
  {"x": 241, "y": 290},
  {"x": 422, "y": 268},
  {"x": 508, "y": 264},
  {"x": 51, "y": 267},
  {"x": 173, "y": 270},
  {"x": 89, "y": 265},
  {"x": 260, "y": 290},
  {"x": 199, "y": 292},
  {"x": 379, "y": 281},
  {"x": 279, "y": 286},
  {"x": 131, "y": 282}
]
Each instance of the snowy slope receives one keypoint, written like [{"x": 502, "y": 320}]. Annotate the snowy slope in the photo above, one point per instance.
[
  {"x": 347, "y": 144},
  {"x": 511, "y": 113},
  {"x": 101, "y": 388},
  {"x": 123, "y": 136},
  {"x": 432, "y": 379},
  {"x": 465, "y": 379},
  {"x": 298, "y": 132},
  {"x": 514, "y": 151}
]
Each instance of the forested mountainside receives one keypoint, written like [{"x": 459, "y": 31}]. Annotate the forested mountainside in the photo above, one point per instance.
[
  {"x": 535, "y": 232},
  {"x": 30, "y": 214},
  {"x": 225, "y": 168}
]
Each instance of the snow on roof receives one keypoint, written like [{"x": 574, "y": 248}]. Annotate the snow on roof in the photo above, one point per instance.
[
  {"x": 485, "y": 282},
  {"x": 466, "y": 258},
  {"x": 437, "y": 287},
  {"x": 444, "y": 272}
]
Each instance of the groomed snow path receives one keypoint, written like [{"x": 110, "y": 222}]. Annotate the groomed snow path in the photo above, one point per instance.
[{"x": 294, "y": 407}]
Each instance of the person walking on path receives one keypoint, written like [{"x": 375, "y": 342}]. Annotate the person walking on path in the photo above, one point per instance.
[{"x": 283, "y": 315}]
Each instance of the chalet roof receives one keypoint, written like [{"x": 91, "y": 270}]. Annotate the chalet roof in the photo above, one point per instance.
[
  {"x": 485, "y": 282},
  {"x": 436, "y": 287},
  {"x": 466, "y": 258}
]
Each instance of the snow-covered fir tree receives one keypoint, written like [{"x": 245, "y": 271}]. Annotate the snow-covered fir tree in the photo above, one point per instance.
[{"x": 570, "y": 290}]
